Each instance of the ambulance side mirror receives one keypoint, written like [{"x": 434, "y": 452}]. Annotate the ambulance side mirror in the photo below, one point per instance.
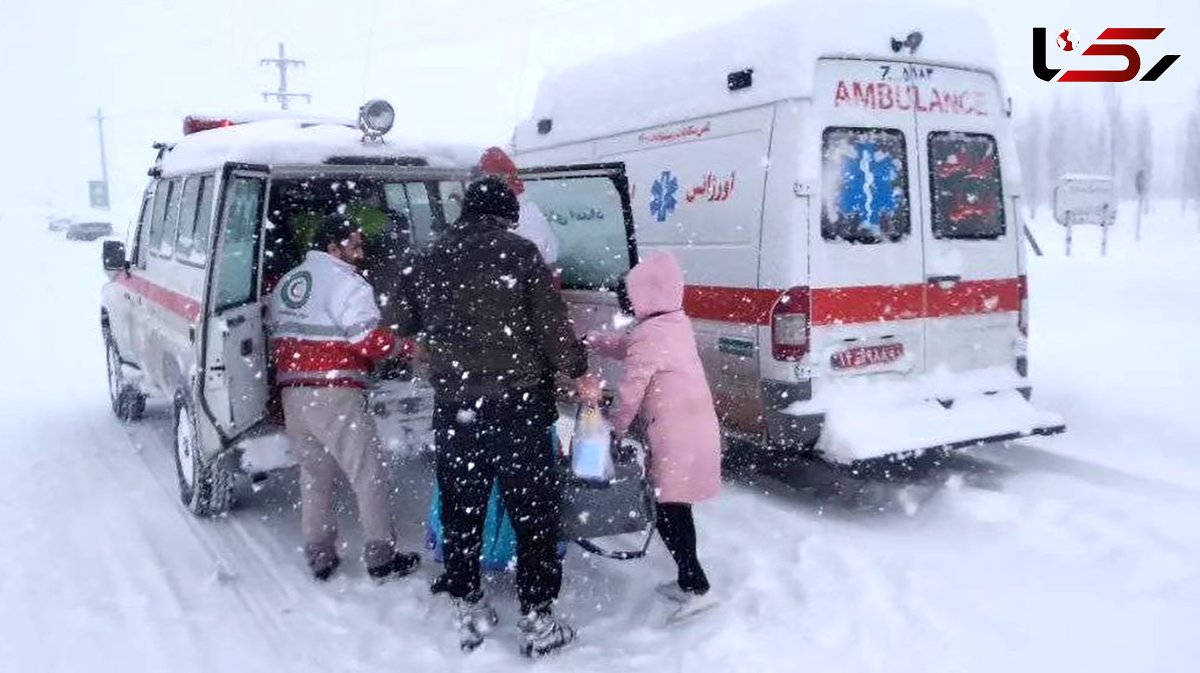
[{"x": 114, "y": 256}]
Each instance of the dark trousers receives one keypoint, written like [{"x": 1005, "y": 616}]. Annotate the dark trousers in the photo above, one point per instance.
[
  {"x": 508, "y": 442},
  {"x": 678, "y": 531}
]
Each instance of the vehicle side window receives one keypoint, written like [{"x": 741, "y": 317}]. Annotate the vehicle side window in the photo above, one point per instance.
[
  {"x": 167, "y": 247},
  {"x": 965, "y": 187},
  {"x": 195, "y": 218},
  {"x": 413, "y": 199},
  {"x": 201, "y": 235},
  {"x": 237, "y": 270},
  {"x": 450, "y": 196},
  {"x": 162, "y": 197},
  {"x": 187, "y": 218},
  {"x": 587, "y": 217},
  {"x": 865, "y": 185},
  {"x": 143, "y": 226}
]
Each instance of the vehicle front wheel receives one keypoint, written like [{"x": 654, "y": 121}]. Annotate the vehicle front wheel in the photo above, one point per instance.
[
  {"x": 128, "y": 401},
  {"x": 205, "y": 484}
]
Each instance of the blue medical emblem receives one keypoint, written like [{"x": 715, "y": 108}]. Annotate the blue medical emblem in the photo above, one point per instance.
[{"x": 663, "y": 200}]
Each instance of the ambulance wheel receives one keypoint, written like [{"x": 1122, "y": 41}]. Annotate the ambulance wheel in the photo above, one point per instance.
[
  {"x": 205, "y": 484},
  {"x": 128, "y": 402}
]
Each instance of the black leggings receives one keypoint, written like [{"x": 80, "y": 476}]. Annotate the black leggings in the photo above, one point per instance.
[{"x": 678, "y": 531}]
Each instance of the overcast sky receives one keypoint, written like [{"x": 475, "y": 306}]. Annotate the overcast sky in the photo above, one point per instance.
[{"x": 456, "y": 69}]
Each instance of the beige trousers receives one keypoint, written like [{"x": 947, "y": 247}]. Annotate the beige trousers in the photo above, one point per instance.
[{"x": 331, "y": 431}]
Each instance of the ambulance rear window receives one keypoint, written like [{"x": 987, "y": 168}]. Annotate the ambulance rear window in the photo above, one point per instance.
[
  {"x": 865, "y": 185},
  {"x": 964, "y": 180}
]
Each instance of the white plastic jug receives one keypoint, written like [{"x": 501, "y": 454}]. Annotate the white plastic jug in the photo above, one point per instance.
[{"x": 591, "y": 446}]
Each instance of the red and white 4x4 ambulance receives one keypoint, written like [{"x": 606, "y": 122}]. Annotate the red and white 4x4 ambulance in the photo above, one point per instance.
[
  {"x": 229, "y": 209},
  {"x": 843, "y": 193}
]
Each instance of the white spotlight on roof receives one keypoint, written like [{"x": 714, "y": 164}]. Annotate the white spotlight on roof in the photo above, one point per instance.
[{"x": 375, "y": 118}]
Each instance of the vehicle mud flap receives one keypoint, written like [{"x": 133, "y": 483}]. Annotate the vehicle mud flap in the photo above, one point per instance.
[{"x": 906, "y": 429}]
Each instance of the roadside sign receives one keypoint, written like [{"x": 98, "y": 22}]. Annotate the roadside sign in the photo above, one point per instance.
[
  {"x": 98, "y": 194},
  {"x": 1086, "y": 199}
]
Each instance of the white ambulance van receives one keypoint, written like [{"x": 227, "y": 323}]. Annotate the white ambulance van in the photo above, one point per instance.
[
  {"x": 841, "y": 187},
  {"x": 228, "y": 210}
]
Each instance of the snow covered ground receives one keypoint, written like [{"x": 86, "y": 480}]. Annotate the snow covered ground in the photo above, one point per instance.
[{"x": 1076, "y": 553}]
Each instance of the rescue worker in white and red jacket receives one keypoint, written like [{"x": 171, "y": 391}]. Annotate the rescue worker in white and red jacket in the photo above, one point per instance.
[{"x": 325, "y": 339}]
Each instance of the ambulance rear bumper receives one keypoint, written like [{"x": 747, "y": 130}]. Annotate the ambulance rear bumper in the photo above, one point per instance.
[{"x": 803, "y": 431}]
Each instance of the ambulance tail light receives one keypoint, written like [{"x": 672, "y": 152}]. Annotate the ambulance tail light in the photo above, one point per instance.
[
  {"x": 1023, "y": 293},
  {"x": 790, "y": 325},
  {"x": 194, "y": 124}
]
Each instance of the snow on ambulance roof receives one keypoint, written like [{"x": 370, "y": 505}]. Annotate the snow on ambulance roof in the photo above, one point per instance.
[
  {"x": 298, "y": 142},
  {"x": 685, "y": 77}
]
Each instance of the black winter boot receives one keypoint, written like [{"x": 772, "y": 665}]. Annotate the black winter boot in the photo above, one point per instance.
[
  {"x": 403, "y": 563},
  {"x": 543, "y": 633}
]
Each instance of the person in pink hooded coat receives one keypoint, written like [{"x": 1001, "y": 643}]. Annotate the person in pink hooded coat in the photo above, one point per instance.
[{"x": 664, "y": 381}]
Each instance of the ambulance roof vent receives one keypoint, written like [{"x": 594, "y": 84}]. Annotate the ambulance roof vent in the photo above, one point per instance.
[
  {"x": 911, "y": 43},
  {"x": 740, "y": 79}
]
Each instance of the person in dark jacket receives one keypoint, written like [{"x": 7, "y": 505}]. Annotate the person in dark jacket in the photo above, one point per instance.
[{"x": 495, "y": 333}]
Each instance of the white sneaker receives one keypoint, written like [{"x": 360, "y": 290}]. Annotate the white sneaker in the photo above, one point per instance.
[
  {"x": 692, "y": 605},
  {"x": 673, "y": 592},
  {"x": 475, "y": 620}
]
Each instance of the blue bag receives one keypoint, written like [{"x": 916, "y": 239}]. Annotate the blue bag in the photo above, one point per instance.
[{"x": 499, "y": 539}]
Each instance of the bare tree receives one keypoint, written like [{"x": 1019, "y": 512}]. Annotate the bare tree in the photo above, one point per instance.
[
  {"x": 1189, "y": 164},
  {"x": 1145, "y": 151},
  {"x": 1031, "y": 151},
  {"x": 1058, "y": 139}
]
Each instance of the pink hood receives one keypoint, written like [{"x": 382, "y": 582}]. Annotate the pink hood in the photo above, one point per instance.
[{"x": 655, "y": 285}]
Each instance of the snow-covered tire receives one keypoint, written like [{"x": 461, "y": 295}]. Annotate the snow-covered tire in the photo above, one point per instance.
[
  {"x": 206, "y": 485},
  {"x": 128, "y": 402}
]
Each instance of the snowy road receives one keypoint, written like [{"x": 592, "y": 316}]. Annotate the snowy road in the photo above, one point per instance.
[{"x": 1077, "y": 553}]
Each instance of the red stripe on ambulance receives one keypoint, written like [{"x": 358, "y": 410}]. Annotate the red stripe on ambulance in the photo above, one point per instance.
[
  {"x": 181, "y": 305},
  {"x": 873, "y": 303},
  {"x": 857, "y": 305},
  {"x": 973, "y": 298}
]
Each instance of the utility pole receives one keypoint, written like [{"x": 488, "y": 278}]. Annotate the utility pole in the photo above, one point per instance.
[
  {"x": 283, "y": 63},
  {"x": 98, "y": 195}
]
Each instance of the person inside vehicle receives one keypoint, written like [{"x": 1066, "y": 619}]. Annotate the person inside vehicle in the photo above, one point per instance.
[
  {"x": 495, "y": 330},
  {"x": 326, "y": 336}
]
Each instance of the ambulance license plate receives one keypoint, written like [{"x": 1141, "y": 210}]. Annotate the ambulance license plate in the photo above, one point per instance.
[{"x": 867, "y": 356}]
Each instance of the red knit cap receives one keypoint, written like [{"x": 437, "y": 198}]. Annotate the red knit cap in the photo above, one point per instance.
[{"x": 496, "y": 161}]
